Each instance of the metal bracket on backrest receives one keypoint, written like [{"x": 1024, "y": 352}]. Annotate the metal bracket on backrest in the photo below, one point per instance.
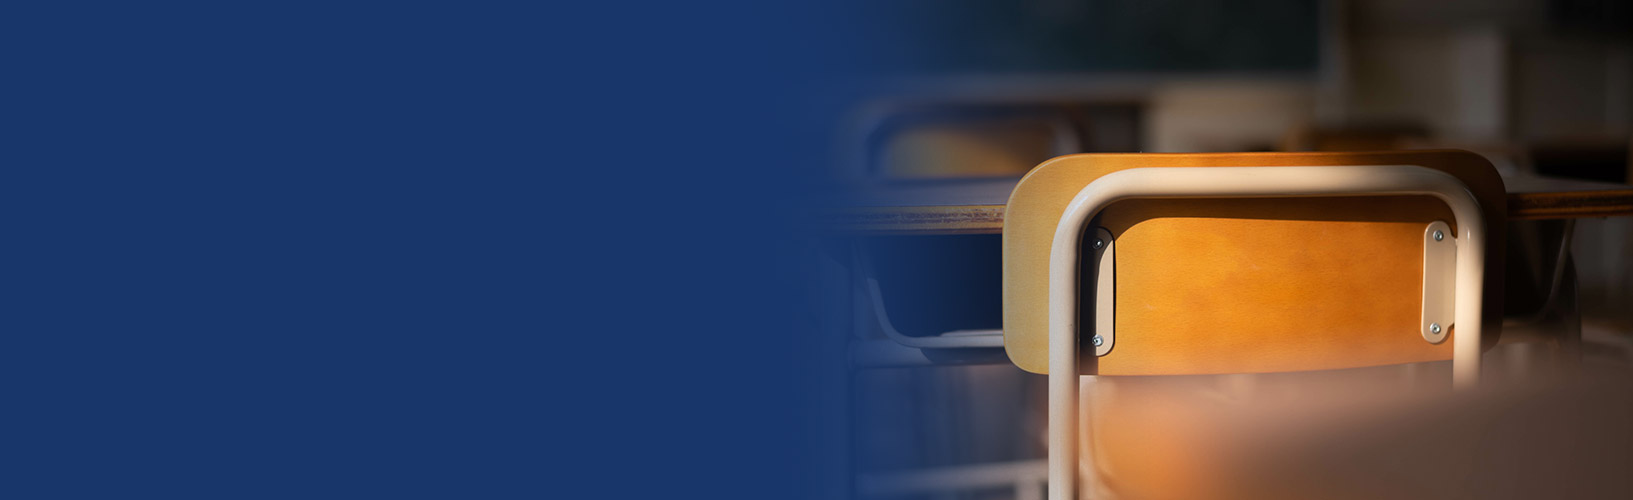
[
  {"x": 1439, "y": 282},
  {"x": 1103, "y": 272}
]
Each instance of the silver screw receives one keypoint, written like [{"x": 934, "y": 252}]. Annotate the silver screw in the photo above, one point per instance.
[
  {"x": 1098, "y": 341},
  {"x": 1434, "y": 328},
  {"x": 1098, "y": 244},
  {"x": 1439, "y": 235}
]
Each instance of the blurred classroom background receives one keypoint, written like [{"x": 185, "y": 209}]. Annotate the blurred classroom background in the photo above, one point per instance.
[{"x": 970, "y": 89}]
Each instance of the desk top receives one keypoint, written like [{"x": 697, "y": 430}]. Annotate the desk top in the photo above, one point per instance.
[{"x": 976, "y": 206}]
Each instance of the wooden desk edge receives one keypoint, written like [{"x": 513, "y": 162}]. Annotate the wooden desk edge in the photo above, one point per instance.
[
  {"x": 989, "y": 219},
  {"x": 933, "y": 220},
  {"x": 1570, "y": 204}
]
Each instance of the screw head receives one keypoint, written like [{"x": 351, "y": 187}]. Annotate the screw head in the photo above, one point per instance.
[
  {"x": 1439, "y": 235},
  {"x": 1434, "y": 328},
  {"x": 1099, "y": 243},
  {"x": 1098, "y": 341}
]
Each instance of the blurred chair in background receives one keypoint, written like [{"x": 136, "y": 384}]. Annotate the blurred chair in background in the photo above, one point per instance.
[{"x": 955, "y": 139}]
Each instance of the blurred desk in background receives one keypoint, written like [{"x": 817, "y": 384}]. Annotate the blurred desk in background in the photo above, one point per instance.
[{"x": 976, "y": 206}]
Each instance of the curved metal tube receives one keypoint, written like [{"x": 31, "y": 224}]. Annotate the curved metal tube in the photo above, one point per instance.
[
  {"x": 1240, "y": 182},
  {"x": 980, "y": 339}
]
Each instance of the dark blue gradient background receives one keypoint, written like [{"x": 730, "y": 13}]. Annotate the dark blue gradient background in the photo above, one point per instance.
[{"x": 408, "y": 250}]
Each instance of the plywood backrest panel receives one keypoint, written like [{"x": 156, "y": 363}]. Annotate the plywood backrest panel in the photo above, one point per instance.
[{"x": 1246, "y": 285}]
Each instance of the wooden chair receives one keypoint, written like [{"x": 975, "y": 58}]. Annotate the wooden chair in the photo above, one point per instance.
[{"x": 1191, "y": 264}]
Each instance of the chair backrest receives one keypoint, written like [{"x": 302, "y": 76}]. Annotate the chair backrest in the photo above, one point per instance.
[{"x": 1245, "y": 285}]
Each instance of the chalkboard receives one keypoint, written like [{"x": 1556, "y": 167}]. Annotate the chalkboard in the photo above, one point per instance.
[{"x": 1056, "y": 36}]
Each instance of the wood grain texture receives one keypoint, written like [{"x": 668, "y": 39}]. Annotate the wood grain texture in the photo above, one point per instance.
[
  {"x": 976, "y": 208},
  {"x": 928, "y": 220},
  {"x": 1247, "y": 285},
  {"x": 1569, "y": 205}
]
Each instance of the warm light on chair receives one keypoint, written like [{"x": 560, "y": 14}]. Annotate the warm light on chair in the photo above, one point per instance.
[{"x": 1240, "y": 182}]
